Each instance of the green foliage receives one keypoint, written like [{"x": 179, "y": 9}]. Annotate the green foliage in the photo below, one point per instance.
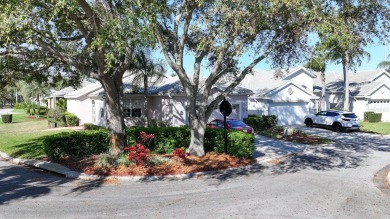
[
  {"x": 61, "y": 104},
  {"x": 76, "y": 144},
  {"x": 90, "y": 126},
  {"x": 165, "y": 139},
  {"x": 377, "y": 127},
  {"x": 366, "y": 115},
  {"x": 157, "y": 160},
  {"x": 105, "y": 160},
  {"x": 259, "y": 123},
  {"x": 240, "y": 144},
  {"x": 21, "y": 105},
  {"x": 71, "y": 119},
  {"x": 374, "y": 117},
  {"x": 6, "y": 118}
]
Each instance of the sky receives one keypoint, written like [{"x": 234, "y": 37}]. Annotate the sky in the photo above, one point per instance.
[{"x": 378, "y": 53}]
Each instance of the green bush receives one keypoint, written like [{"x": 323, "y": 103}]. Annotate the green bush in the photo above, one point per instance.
[
  {"x": 90, "y": 126},
  {"x": 21, "y": 105},
  {"x": 366, "y": 115},
  {"x": 374, "y": 117},
  {"x": 165, "y": 139},
  {"x": 259, "y": 123},
  {"x": 240, "y": 144},
  {"x": 71, "y": 119},
  {"x": 76, "y": 144},
  {"x": 86, "y": 143}
]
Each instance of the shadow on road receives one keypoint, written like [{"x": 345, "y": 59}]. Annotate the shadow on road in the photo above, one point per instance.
[
  {"x": 20, "y": 183},
  {"x": 349, "y": 151},
  {"x": 17, "y": 183}
]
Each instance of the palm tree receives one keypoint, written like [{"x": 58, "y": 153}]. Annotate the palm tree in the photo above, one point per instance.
[
  {"x": 33, "y": 90},
  {"x": 385, "y": 64},
  {"x": 318, "y": 64},
  {"x": 146, "y": 69}
]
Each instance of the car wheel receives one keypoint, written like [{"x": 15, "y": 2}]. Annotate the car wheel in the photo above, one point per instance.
[
  {"x": 309, "y": 123},
  {"x": 337, "y": 127}
]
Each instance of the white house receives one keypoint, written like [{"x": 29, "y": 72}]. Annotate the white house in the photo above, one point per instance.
[
  {"x": 369, "y": 91},
  {"x": 288, "y": 94},
  {"x": 166, "y": 100}
]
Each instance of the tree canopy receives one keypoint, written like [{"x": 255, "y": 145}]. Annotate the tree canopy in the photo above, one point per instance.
[{"x": 52, "y": 40}]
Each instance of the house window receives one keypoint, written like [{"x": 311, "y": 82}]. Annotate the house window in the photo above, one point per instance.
[{"x": 132, "y": 108}]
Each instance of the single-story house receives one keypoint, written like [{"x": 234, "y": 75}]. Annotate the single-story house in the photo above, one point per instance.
[
  {"x": 369, "y": 91},
  {"x": 56, "y": 95},
  {"x": 287, "y": 93},
  {"x": 166, "y": 100}
]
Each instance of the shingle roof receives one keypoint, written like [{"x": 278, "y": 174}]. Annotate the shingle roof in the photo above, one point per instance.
[
  {"x": 67, "y": 90},
  {"x": 266, "y": 81},
  {"x": 360, "y": 82}
]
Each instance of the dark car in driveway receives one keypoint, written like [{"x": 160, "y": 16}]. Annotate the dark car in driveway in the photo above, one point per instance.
[{"x": 234, "y": 124}]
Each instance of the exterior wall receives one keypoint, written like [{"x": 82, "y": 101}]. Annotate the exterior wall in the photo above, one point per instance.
[
  {"x": 81, "y": 107},
  {"x": 359, "y": 106},
  {"x": 290, "y": 93},
  {"x": 180, "y": 114},
  {"x": 257, "y": 106},
  {"x": 240, "y": 108},
  {"x": 302, "y": 79}
]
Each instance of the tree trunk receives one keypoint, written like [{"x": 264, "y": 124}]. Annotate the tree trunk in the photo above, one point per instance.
[
  {"x": 323, "y": 102},
  {"x": 346, "y": 81},
  {"x": 146, "y": 101},
  {"x": 198, "y": 130},
  {"x": 116, "y": 125}
]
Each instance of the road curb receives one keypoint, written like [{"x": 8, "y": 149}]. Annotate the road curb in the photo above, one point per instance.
[{"x": 68, "y": 173}]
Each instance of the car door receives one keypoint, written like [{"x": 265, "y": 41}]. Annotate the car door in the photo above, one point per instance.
[
  {"x": 320, "y": 118},
  {"x": 330, "y": 118}
]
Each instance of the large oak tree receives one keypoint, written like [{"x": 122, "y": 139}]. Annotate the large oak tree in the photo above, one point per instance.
[
  {"x": 217, "y": 33},
  {"x": 52, "y": 40}
]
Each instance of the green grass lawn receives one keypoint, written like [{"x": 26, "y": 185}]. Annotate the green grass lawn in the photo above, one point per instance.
[
  {"x": 376, "y": 127},
  {"x": 23, "y": 137}
]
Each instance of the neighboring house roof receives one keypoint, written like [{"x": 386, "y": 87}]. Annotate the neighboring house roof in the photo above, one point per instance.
[
  {"x": 67, "y": 90},
  {"x": 172, "y": 85},
  {"x": 84, "y": 90},
  {"x": 361, "y": 82},
  {"x": 266, "y": 82}
]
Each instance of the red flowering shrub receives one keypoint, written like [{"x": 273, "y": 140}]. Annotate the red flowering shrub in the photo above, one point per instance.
[
  {"x": 179, "y": 152},
  {"x": 139, "y": 153}
]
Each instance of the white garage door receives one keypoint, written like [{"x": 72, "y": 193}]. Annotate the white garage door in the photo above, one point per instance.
[
  {"x": 289, "y": 113},
  {"x": 380, "y": 106}
]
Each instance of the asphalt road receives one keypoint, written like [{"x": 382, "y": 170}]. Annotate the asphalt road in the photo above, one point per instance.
[{"x": 332, "y": 181}]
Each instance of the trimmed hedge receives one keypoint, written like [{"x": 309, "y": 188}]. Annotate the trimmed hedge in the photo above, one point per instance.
[
  {"x": 71, "y": 119},
  {"x": 76, "y": 144},
  {"x": 89, "y": 142},
  {"x": 165, "y": 139},
  {"x": 91, "y": 126},
  {"x": 258, "y": 122},
  {"x": 374, "y": 117},
  {"x": 366, "y": 115}
]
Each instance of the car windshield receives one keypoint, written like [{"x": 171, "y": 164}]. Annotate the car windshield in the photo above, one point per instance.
[
  {"x": 236, "y": 123},
  {"x": 350, "y": 115}
]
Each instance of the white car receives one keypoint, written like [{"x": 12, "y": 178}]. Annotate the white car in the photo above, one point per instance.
[{"x": 337, "y": 120}]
